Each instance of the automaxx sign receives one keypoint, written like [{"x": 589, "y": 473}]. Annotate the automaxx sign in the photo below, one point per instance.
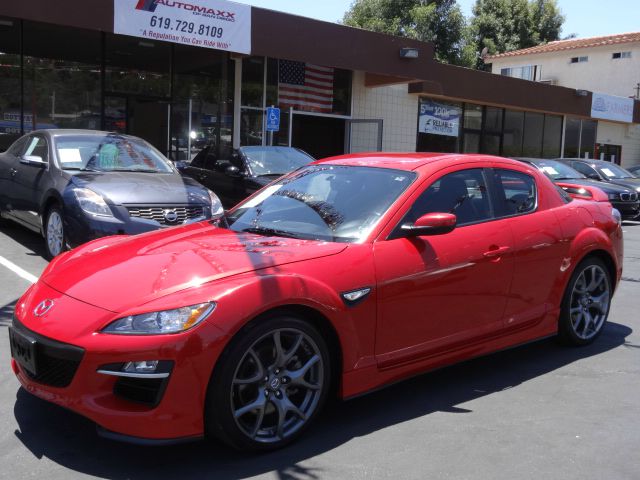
[{"x": 215, "y": 24}]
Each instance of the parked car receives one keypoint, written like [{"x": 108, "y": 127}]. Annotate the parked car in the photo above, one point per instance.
[
  {"x": 635, "y": 170},
  {"x": 247, "y": 170},
  {"x": 342, "y": 277},
  {"x": 624, "y": 199},
  {"x": 73, "y": 186},
  {"x": 603, "y": 171}
]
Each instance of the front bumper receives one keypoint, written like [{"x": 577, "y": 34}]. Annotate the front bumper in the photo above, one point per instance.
[
  {"x": 628, "y": 210},
  {"x": 81, "y": 227},
  {"x": 179, "y": 410}
]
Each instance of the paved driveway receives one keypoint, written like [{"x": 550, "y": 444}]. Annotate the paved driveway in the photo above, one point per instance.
[{"x": 536, "y": 412}]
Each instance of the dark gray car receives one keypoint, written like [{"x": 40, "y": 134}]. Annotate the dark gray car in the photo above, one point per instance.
[
  {"x": 73, "y": 186},
  {"x": 603, "y": 171}
]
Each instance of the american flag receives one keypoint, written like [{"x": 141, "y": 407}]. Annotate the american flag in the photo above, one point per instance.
[{"x": 305, "y": 86}]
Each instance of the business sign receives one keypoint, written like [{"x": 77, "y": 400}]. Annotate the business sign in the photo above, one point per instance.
[
  {"x": 438, "y": 118},
  {"x": 215, "y": 24},
  {"x": 609, "y": 107},
  {"x": 273, "y": 119}
]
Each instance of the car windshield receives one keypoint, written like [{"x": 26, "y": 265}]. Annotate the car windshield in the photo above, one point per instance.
[
  {"x": 613, "y": 171},
  {"x": 109, "y": 153},
  {"x": 274, "y": 160},
  {"x": 322, "y": 202},
  {"x": 557, "y": 170}
]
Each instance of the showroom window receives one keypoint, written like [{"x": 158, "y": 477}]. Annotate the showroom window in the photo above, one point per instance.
[
  {"x": 10, "y": 107},
  {"x": 580, "y": 138},
  {"x": 202, "y": 104},
  {"x": 61, "y": 77}
]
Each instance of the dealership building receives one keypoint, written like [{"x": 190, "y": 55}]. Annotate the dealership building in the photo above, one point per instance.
[{"x": 185, "y": 74}]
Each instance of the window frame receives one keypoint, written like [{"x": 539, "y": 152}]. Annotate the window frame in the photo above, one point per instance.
[
  {"x": 396, "y": 232},
  {"x": 496, "y": 188}
]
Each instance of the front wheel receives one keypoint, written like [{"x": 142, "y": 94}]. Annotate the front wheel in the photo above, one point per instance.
[
  {"x": 586, "y": 302},
  {"x": 270, "y": 385},
  {"x": 54, "y": 234}
]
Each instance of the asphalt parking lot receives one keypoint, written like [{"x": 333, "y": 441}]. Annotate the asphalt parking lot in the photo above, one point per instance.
[{"x": 538, "y": 411}]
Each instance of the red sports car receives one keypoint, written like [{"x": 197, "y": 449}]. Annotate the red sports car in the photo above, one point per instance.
[{"x": 342, "y": 277}]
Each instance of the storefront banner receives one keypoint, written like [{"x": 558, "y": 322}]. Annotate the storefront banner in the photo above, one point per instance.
[
  {"x": 609, "y": 107},
  {"x": 215, "y": 24},
  {"x": 439, "y": 118}
]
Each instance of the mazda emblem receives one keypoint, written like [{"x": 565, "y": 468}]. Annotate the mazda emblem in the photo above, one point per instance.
[
  {"x": 171, "y": 216},
  {"x": 43, "y": 307}
]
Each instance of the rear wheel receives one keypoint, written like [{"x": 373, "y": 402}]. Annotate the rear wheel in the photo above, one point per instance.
[
  {"x": 54, "y": 235},
  {"x": 586, "y": 302},
  {"x": 270, "y": 385}
]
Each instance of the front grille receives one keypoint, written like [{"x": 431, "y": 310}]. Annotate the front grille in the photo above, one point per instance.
[
  {"x": 56, "y": 362},
  {"x": 168, "y": 215},
  {"x": 148, "y": 391},
  {"x": 629, "y": 197}
]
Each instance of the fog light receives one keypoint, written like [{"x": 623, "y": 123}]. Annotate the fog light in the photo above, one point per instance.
[
  {"x": 148, "y": 366},
  {"x": 144, "y": 369}
]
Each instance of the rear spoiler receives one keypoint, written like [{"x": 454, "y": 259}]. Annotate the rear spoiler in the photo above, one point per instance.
[{"x": 580, "y": 192}]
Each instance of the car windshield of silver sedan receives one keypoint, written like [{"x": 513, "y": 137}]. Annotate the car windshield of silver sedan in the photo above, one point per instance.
[
  {"x": 109, "y": 153},
  {"x": 274, "y": 160},
  {"x": 323, "y": 202}
]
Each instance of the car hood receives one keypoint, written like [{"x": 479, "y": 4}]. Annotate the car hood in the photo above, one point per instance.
[
  {"x": 604, "y": 186},
  {"x": 632, "y": 183},
  {"x": 138, "y": 188},
  {"x": 119, "y": 273}
]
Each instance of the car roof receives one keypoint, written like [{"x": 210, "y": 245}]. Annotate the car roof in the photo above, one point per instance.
[{"x": 409, "y": 161}]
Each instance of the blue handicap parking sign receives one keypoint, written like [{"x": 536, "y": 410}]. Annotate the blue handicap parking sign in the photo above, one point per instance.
[{"x": 273, "y": 119}]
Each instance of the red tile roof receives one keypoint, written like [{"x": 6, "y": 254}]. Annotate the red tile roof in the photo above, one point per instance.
[{"x": 572, "y": 44}]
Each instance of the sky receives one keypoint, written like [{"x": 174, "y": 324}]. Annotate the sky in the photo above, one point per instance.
[{"x": 586, "y": 18}]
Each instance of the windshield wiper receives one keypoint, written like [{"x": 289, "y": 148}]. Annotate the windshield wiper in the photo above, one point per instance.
[
  {"x": 274, "y": 232},
  {"x": 568, "y": 178},
  {"x": 143, "y": 170}
]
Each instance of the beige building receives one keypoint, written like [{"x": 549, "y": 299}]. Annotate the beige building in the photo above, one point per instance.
[{"x": 608, "y": 65}]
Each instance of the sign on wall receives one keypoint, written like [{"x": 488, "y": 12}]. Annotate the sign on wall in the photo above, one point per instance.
[
  {"x": 215, "y": 24},
  {"x": 609, "y": 107},
  {"x": 438, "y": 118}
]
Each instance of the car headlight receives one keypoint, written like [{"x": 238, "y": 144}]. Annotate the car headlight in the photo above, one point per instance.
[
  {"x": 216, "y": 205},
  {"x": 614, "y": 196},
  {"x": 158, "y": 323},
  {"x": 92, "y": 203}
]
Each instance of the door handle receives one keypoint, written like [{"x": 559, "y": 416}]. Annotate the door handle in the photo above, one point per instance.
[{"x": 495, "y": 251}]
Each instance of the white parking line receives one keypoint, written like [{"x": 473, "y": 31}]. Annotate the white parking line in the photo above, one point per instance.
[{"x": 18, "y": 271}]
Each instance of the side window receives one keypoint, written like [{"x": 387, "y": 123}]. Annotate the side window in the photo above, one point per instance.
[
  {"x": 584, "y": 169},
  {"x": 516, "y": 192},
  {"x": 17, "y": 147},
  {"x": 462, "y": 193},
  {"x": 37, "y": 146}
]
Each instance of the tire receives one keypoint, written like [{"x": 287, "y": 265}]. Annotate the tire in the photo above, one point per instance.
[
  {"x": 262, "y": 400},
  {"x": 586, "y": 303},
  {"x": 54, "y": 234}
]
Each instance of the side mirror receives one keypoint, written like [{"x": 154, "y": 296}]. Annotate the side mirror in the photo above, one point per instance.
[
  {"x": 33, "y": 160},
  {"x": 233, "y": 171},
  {"x": 430, "y": 224}
]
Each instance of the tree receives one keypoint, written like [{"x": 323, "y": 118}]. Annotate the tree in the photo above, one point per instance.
[
  {"x": 505, "y": 25},
  {"x": 438, "y": 21}
]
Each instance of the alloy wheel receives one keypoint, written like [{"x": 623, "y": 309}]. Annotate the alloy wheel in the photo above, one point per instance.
[
  {"x": 55, "y": 233},
  {"x": 277, "y": 385},
  {"x": 589, "y": 304}
]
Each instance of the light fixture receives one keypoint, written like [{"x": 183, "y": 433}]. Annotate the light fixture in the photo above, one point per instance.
[
  {"x": 354, "y": 297},
  {"x": 582, "y": 93},
  {"x": 409, "y": 52},
  {"x": 146, "y": 44},
  {"x": 6, "y": 23}
]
